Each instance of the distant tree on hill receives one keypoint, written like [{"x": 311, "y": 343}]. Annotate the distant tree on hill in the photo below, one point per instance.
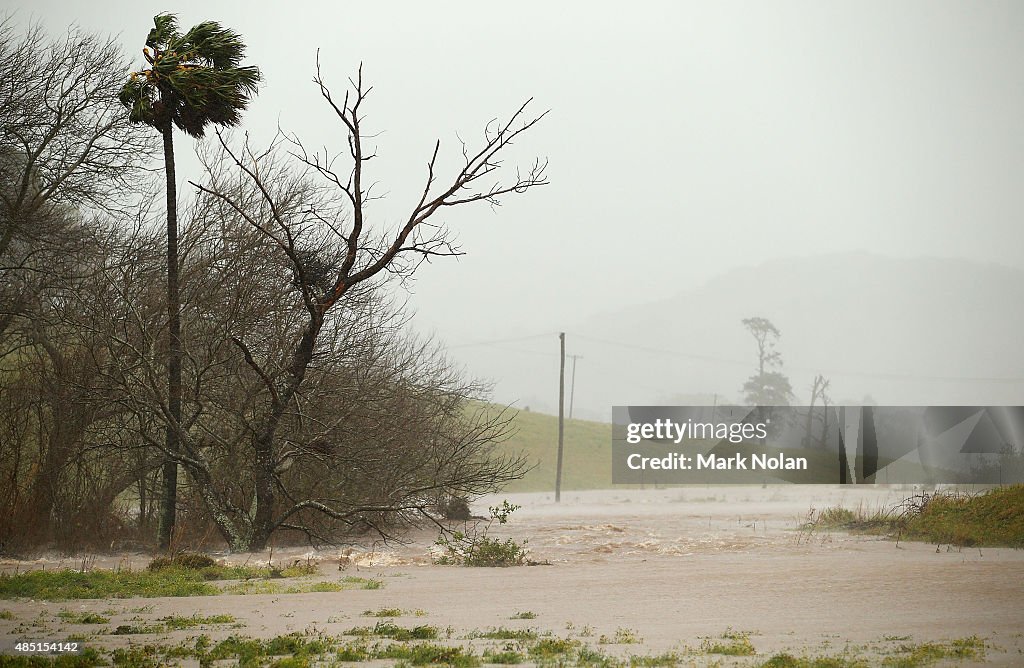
[{"x": 769, "y": 386}]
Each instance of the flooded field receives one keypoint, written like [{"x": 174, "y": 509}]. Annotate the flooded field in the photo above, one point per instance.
[{"x": 636, "y": 573}]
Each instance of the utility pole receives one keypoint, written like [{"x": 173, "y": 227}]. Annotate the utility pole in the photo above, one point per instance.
[
  {"x": 572, "y": 383},
  {"x": 561, "y": 417}
]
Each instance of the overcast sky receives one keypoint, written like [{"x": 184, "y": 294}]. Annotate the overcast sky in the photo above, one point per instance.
[{"x": 685, "y": 138}]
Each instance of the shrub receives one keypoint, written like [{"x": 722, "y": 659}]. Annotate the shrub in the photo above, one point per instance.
[{"x": 474, "y": 547}]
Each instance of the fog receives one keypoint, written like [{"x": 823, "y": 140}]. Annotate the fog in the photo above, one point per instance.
[{"x": 850, "y": 171}]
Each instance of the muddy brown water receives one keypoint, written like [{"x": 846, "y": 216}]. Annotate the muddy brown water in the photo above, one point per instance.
[{"x": 674, "y": 566}]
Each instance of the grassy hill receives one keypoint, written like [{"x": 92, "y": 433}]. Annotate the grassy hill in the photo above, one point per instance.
[{"x": 587, "y": 454}]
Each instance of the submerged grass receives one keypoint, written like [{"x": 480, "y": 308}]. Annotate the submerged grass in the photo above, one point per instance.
[
  {"x": 902, "y": 656},
  {"x": 994, "y": 518},
  {"x": 731, "y": 643},
  {"x": 168, "y": 581},
  {"x": 70, "y": 584},
  {"x": 391, "y": 630},
  {"x": 311, "y": 648}
]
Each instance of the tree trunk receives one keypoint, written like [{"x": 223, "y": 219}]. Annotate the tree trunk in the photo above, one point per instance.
[{"x": 170, "y": 470}]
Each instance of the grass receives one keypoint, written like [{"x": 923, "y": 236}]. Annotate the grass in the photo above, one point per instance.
[
  {"x": 927, "y": 653},
  {"x": 167, "y": 581},
  {"x": 903, "y": 656},
  {"x": 502, "y": 633},
  {"x": 994, "y": 518},
  {"x": 424, "y": 654},
  {"x": 730, "y": 643},
  {"x": 313, "y": 648},
  {"x": 621, "y": 637},
  {"x": 383, "y": 612},
  {"x": 177, "y": 622},
  {"x": 656, "y": 661},
  {"x": 552, "y": 648},
  {"x": 586, "y": 454},
  {"x": 528, "y": 614},
  {"x": 786, "y": 660},
  {"x": 69, "y": 584},
  {"x": 393, "y": 631},
  {"x": 82, "y": 617},
  {"x": 507, "y": 655}
]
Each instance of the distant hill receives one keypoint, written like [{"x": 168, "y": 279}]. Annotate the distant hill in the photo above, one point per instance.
[
  {"x": 902, "y": 331},
  {"x": 587, "y": 458}
]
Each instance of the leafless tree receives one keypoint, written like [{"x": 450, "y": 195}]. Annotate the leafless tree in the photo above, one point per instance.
[
  {"x": 67, "y": 158},
  {"x": 64, "y": 139},
  {"x": 308, "y": 407},
  {"x": 819, "y": 392}
]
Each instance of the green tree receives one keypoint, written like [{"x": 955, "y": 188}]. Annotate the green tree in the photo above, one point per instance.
[{"x": 195, "y": 79}]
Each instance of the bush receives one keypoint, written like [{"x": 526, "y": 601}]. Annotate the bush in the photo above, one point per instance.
[{"x": 474, "y": 547}]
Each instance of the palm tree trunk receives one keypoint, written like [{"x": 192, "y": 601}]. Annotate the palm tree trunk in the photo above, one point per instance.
[{"x": 170, "y": 471}]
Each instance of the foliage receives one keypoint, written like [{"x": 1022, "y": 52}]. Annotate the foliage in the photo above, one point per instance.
[
  {"x": 294, "y": 358},
  {"x": 473, "y": 547},
  {"x": 391, "y": 630},
  {"x": 731, "y": 643},
  {"x": 194, "y": 79},
  {"x": 994, "y": 518}
]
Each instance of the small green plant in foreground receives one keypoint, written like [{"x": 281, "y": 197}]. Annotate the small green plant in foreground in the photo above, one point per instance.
[
  {"x": 391, "y": 630},
  {"x": 507, "y": 655},
  {"x": 474, "y": 547},
  {"x": 553, "y": 648},
  {"x": 383, "y": 612},
  {"x": 502, "y": 633},
  {"x": 786, "y": 660},
  {"x": 82, "y": 617},
  {"x": 903, "y": 656},
  {"x": 621, "y": 637},
  {"x": 731, "y": 643},
  {"x": 927, "y": 653},
  {"x": 430, "y": 654}
]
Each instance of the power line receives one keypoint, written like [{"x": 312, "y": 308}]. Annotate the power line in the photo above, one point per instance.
[
  {"x": 833, "y": 373},
  {"x": 496, "y": 341},
  {"x": 734, "y": 362}
]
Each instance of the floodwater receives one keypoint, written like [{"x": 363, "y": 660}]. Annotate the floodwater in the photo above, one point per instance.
[{"x": 672, "y": 566}]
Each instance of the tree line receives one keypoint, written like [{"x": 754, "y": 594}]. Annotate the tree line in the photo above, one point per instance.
[{"x": 246, "y": 335}]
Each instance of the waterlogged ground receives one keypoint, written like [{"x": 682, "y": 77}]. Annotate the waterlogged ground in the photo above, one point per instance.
[{"x": 679, "y": 573}]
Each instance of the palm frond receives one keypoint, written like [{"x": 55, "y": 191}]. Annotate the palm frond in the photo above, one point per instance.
[
  {"x": 165, "y": 29},
  {"x": 196, "y": 78}
]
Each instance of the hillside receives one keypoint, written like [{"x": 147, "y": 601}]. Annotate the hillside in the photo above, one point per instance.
[{"x": 586, "y": 456}]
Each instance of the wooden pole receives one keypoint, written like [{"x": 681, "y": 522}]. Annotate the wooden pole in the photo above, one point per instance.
[
  {"x": 561, "y": 417},
  {"x": 572, "y": 383}
]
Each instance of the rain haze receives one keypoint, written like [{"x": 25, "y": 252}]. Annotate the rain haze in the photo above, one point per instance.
[
  {"x": 850, "y": 171},
  {"x": 264, "y": 466}
]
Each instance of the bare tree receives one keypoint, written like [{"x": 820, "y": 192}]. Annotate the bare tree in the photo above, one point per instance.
[
  {"x": 819, "y": 392},
  {"x": 64, "y": 140},
  {"x": 67, "y": 157},
  {"x": 307, "y": 407}
]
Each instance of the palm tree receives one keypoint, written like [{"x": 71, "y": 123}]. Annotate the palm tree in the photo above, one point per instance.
[{"x": 194, "y": 79}]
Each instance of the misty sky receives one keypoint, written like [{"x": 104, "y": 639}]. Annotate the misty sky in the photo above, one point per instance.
[{"x": 685, "y": 139}]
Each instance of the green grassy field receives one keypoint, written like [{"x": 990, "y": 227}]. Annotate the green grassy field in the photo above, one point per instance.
[{"x": 587, "y": 459}]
